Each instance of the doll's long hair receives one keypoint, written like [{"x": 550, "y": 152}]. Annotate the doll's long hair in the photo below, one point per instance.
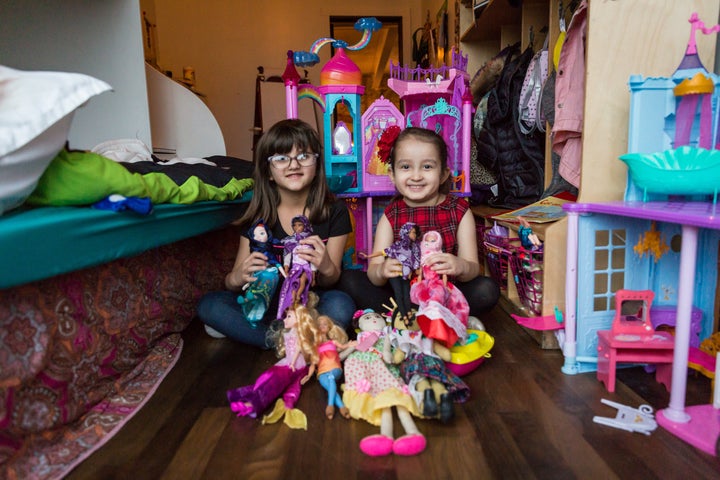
[
  {"x": 305, "y": 315},
  {"x": 280, "y": 139}
]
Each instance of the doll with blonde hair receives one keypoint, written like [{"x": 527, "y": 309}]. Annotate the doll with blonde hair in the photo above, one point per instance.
[
  {"x": 282, "y": 381},
  {"x": 331, "y": 347}
]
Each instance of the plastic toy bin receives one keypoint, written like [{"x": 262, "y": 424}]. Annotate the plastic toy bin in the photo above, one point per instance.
[
  {"x": 480, "y": 229},
  {"x": 527, "y": 270},
  {"x": 497, "y": 255}
]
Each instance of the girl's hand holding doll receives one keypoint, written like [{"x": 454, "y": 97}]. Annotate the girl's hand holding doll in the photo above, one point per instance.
[
  {"x": 391, "y": 268},
  {"x": 446, "y": 264},
  {"x": 321, "y": 257},
  {"x": 244, "y": 273}
]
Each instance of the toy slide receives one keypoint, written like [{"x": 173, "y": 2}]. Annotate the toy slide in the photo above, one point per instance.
[{"x": 547, "y": 322}]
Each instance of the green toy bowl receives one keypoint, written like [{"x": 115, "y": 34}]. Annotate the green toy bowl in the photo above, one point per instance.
[{"x": 682, "y": 171}]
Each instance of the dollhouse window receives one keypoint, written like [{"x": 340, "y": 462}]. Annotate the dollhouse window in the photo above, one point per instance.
[{"x": 609, "y": 269}]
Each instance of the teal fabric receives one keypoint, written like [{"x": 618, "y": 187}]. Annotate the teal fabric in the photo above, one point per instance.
[{"x": 39, "y": 243}]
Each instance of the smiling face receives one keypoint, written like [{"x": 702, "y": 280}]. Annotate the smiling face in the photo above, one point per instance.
[
  {"x": 293, "y": 178},
  {"x": 418, "y": 171}
]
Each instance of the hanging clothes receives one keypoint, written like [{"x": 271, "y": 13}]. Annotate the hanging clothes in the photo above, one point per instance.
[{"x": 570, "y": 98}]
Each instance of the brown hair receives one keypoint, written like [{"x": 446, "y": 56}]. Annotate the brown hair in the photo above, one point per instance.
[
  {"x": 428, "y": 136},
  {"x": 280, "y": 139}
]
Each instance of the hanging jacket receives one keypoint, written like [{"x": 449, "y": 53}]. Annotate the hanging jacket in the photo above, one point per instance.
[{"x": 516, "y": 159}]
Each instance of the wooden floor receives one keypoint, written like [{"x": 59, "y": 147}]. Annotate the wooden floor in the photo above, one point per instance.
[{"x": 525, "y": 420}]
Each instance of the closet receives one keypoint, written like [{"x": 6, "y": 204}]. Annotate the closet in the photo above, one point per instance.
[{"x": 646, "y": 37}]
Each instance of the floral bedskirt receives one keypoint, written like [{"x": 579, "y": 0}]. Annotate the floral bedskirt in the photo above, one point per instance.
[{"x": 67, "y": 342}]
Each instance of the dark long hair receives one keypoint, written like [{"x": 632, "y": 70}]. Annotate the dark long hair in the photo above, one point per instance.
[
  {"x": 429, "y": 136},
  {"x": 280, "y": 139}
]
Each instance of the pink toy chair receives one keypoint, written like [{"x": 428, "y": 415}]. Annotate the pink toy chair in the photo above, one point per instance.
[{"x": 632, "y": 339}]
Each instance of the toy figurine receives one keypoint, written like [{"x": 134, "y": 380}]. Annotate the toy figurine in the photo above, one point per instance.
[
  {"x": 330, "y": 348},
  {"x": 373, "y": 387},
  {"x": 300, "y": 273},
  {"x": 528, "y": 239},
  {"x": 257, "y": 295},
  {"x": 407, "y": 251},
  {"x": 282, "y": 381},
  {"x": 422, "y": 366},
  {"x": 442, "y": 309}
]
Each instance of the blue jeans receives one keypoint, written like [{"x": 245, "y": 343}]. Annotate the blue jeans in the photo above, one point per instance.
[
  {"x": 221, "y": 311},
  {"x": 329, "y": 381}
]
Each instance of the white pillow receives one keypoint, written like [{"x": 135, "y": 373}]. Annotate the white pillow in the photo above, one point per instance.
[{"x": 35, "y": 116}]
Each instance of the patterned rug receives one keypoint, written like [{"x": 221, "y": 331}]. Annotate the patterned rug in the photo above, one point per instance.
[{"x": 53, "y": 454}]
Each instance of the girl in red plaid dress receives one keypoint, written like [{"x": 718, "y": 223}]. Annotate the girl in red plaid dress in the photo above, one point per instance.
[{"x": 419, "y": 171}]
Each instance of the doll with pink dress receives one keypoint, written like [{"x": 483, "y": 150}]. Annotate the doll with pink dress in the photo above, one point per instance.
[
  {"x": 442, "y": 308},
  {"x": 373, "y": 387}
]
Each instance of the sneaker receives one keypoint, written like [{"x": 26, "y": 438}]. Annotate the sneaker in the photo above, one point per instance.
[
  {"x": 213, "y": 333},
  {"x": 474, "y": 323}
]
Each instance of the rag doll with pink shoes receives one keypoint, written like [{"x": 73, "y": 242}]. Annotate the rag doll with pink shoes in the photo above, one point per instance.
[{"x": 373, "y": 387}]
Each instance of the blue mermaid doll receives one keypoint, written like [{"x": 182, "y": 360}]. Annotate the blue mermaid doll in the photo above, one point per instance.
[{"x": 256, "y": 296}]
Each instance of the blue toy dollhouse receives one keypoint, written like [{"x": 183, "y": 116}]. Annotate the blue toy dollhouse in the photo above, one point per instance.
[
  {"x": 664, "y": 237},
  {"x": 620, "y": 252}
]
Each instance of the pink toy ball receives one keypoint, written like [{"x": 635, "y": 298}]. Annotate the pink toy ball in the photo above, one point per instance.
[{"x": 340, "y": 70}]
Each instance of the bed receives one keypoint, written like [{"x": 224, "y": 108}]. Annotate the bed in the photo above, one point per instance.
[{"x": 94, "y": 291}]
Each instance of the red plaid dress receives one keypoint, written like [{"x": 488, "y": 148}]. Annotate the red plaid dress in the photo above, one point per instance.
[{"x": 444, "y": 218}]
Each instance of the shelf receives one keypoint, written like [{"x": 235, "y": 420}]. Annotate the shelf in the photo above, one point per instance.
[{"x": 488, "y": 25}]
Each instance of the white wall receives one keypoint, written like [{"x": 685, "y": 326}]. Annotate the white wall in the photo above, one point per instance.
[
  {"x": 225, "y": 42},
  {"x": 99, "y": 38}
]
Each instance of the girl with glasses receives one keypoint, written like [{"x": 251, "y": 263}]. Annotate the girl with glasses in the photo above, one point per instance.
[{"x": 290, "y": 181}]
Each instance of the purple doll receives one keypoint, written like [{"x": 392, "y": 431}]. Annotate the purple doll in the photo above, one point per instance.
[
  {"x": 300, "y": 273},
  {"x": 407, "y": 251}
]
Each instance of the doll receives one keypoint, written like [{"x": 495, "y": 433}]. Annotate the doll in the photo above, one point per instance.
[
  {"x": 330, "y": 348},
  {"x": 528, "y": 239},
  {"x": 373, "y": 387},
  {"x": 257, "y": 295},
  {"x": 300, "y": 273},
  {"x": 407, "y": 251},
  {"x": 422, "y": 366},
  {"x": 442, "y": 309},
  {"x": 282, "y": 381}
]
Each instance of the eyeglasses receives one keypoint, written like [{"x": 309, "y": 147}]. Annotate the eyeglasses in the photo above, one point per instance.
[{"x": 303, "y": 159}]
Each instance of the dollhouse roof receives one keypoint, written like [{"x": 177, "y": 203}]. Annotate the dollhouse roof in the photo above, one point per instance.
[{"x": 340, "y": 70}]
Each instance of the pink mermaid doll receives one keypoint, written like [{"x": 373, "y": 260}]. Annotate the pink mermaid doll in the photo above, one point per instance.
[
  {"x": 442, "y": 309},
  {"x": 282, "y": 381}
]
